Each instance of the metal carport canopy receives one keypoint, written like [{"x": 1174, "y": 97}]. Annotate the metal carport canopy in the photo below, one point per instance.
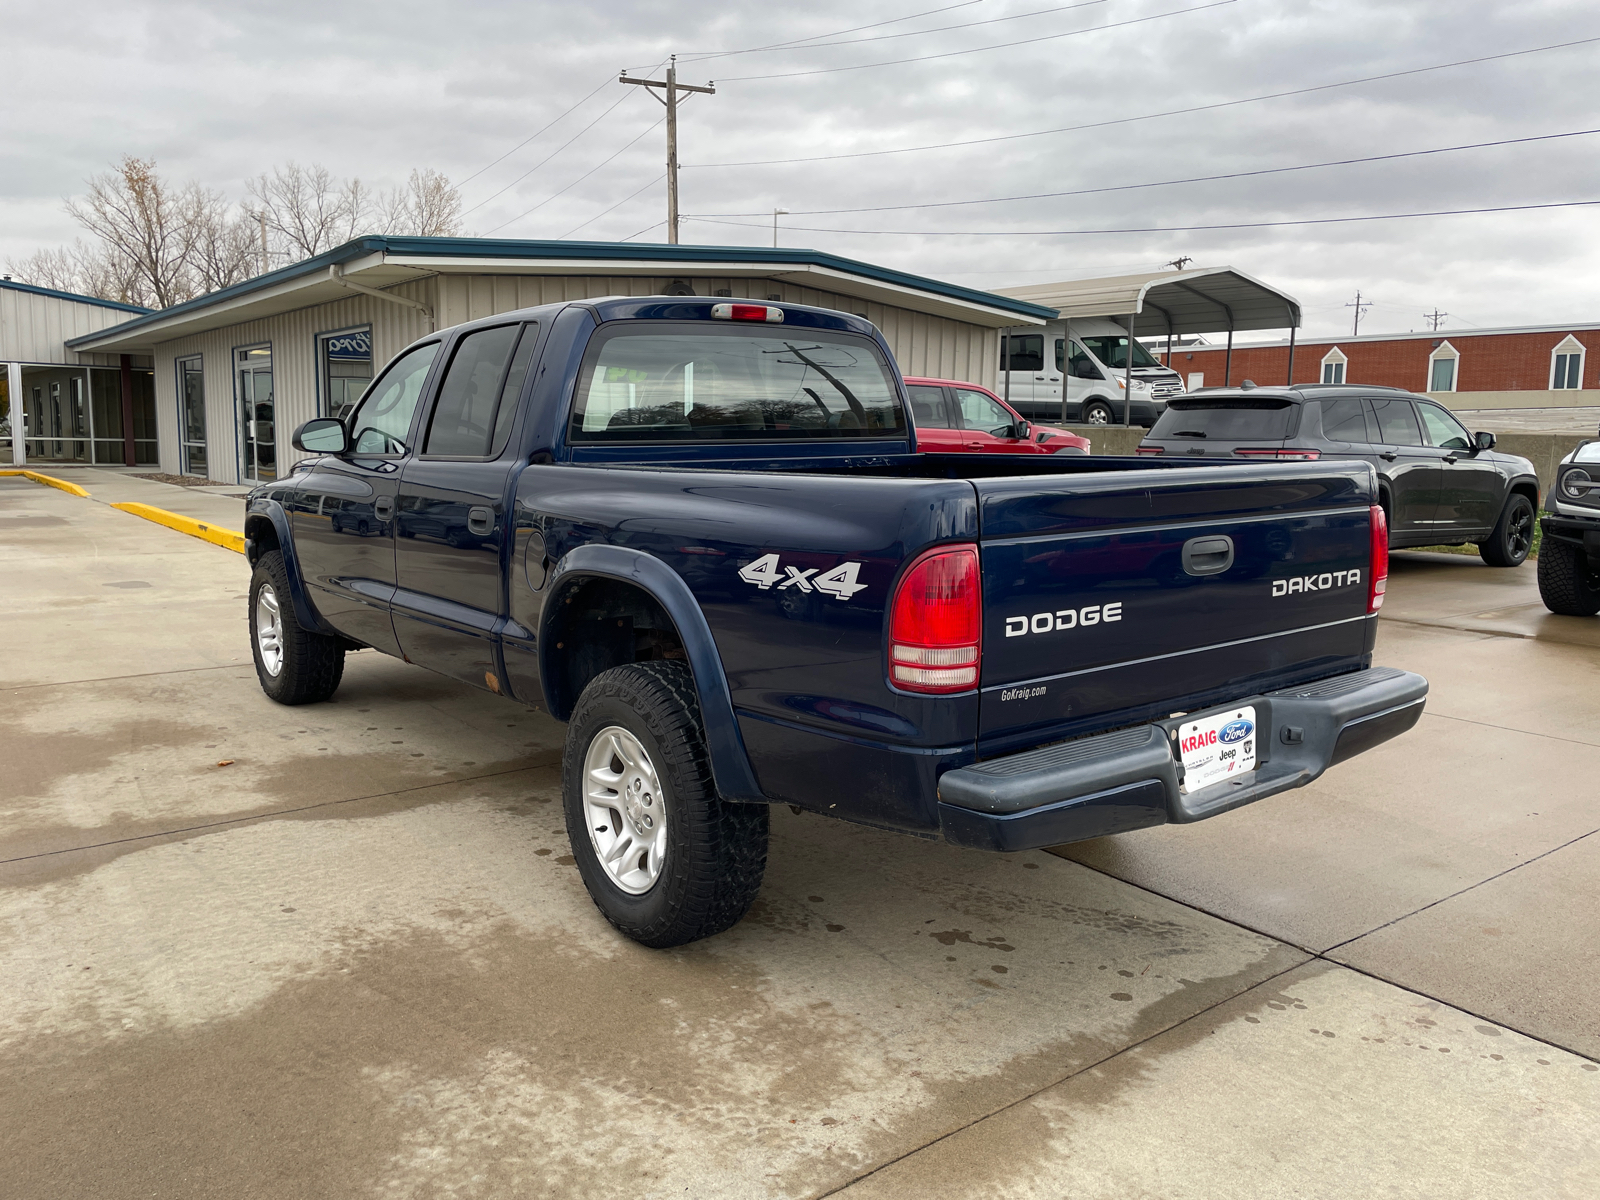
[{"x": 1203, "y": 300}]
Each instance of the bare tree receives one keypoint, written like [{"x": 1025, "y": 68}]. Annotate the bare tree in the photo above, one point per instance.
[
  {"x": 85, "y": 270},
  {"x": 433, "y": 206},
  {"x": 226, "y": 249},
  {"x": 146, "y": 225},
  {"x": 306, "y": 209}
]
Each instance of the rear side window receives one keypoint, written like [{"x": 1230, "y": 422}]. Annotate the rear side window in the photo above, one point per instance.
[
  {"x": 1027, "y": 352},
  {"x": 472, "y": 412},
  {"x": 927, "y": 407},
  {"x": 1397, "y": 422},
  {"x": 1345, "y": 421},
  {"x": 649, "y": 382},
  {"x": 1226, "y": 420}
]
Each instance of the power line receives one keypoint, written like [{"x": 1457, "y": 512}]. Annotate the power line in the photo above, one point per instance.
[
  {"x": 885, "y": 37},
  {"x": 799, "y": 43},
  {"x": 1449, "y": 212},
  {"x": 1129, "y": 187},
  {"x": 1174, "y": 112},
  {"x": 531, "y": 136},
  {"x": 548, "y": 157},
  {"x": 614, "y": 207},
  {"x": 579, "y": 179},
  {"x": 646, "y": 229},
  {"x": 1177, "y": 12}
]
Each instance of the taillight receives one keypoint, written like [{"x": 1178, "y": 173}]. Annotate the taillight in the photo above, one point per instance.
[
  {"x": 1379, "y": 576},
  {"x": 747, "y": 312},
  {"x": 1279, "y": 452},
  {"x": 936, "y": 623},
  {"x": 1149, "y": 449}
]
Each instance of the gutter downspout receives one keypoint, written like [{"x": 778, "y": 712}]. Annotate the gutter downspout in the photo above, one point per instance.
[
  {"x": 1127, "y": 377},
  {"x": 336, "y": 274}
]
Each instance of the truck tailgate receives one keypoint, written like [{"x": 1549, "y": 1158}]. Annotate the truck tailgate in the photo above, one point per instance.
[{"x": 1108, "y": 597}]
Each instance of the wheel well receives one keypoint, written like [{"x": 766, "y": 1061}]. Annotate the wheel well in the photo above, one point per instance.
[
  {"x": 262, "y": 537},
  {"x": 1530, "y": 490},
  {"x": 599, "y": 624}
]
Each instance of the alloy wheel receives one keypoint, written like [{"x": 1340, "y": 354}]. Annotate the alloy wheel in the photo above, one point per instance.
[
  {"x": 269, "y": 630},
  {"x": 624, "y": 810}
]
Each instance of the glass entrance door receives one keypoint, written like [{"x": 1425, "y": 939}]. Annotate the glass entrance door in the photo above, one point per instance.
[{"x": 256, "y": 414}]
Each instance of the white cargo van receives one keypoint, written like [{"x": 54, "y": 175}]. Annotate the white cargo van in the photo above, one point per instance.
[{"x": 1095, "y": 378}]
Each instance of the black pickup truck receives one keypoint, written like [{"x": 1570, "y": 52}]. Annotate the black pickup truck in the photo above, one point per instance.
[{"x": 699, "y": 533}]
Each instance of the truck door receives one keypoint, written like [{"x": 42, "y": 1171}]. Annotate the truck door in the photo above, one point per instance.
[
  {"x": 342, "y": 509},
  {"x": 450, "y": 536},
  {"x": 1414, "y": 469},
  {"x": 987, "y": 427}
]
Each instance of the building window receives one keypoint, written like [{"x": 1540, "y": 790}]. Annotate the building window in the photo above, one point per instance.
[
  {"x": 344, "y": 361},
  {"x": 1566, "y": 365},
  {"x": 1442, "y": 365},
  {"x": 1333, "y": 364},
  {"x": 192, "y": 417}
]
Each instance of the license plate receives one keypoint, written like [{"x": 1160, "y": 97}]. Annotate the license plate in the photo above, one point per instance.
[{"x": 1218, "y": 746}]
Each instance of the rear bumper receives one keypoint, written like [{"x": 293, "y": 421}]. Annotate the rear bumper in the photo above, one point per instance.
[{"x": 1129, "y": 779}]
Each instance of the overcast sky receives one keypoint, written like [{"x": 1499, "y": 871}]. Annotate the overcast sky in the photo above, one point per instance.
[{"x": 375, "y": 90}]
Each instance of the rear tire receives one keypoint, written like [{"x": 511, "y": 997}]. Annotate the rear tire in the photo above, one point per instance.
[
  {"x": 1097, "y": 413},
  {"x": 1512, "y": 538},
  {"x": 712, "y": 853},
  {"x": 294, "y": 665},
  {"x": 1567, "y": 584}
]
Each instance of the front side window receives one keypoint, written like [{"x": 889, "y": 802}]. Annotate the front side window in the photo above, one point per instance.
[
  {"x": 927, "y": 407},
  {"x": 980, "y": 412},
  {"x": 1444, "y": 430},
  {"x": 680, "y": 383},
  {"x": 1082, "y": 365},
  {"x": 1113, "y": 351},
  {"x": 1027, "y": 352},
  {"x": 1397, "y": 422},
  {"x": 383, "y": 421}
]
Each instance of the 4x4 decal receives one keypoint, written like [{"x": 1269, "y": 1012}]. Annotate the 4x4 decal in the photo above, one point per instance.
[{"x": 839, "y": 582}]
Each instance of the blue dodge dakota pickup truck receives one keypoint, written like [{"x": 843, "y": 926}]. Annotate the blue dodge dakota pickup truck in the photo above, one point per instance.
[{"x": 698, "y": 532}]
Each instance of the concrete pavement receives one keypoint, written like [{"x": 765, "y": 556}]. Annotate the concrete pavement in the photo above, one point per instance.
[{"x": 356, "y": 960}]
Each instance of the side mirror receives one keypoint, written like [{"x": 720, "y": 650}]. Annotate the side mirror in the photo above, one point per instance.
[
  {"x": 1021, "y": 430},
  {"x": 322, "y": 435},
  {"x": 1483, "y": 440}
]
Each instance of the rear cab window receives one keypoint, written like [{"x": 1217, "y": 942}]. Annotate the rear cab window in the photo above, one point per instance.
[
  {"x": 670, "y": 382},
  {"x": 1227, "y": 420}
]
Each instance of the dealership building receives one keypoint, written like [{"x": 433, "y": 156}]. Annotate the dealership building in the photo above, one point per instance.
[
  {"x": 216, "y": 386},
  {"x": 1533, "y": 366}
]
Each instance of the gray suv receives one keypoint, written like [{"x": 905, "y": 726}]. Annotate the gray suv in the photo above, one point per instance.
[
  {"x": 1569, "y": 559},
  {"x": 1439, "y": 485}
]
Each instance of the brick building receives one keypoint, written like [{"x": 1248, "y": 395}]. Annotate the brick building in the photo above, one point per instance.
[{"x": 1543, "y": 366}]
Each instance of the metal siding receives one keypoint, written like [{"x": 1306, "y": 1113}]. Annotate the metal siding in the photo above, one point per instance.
[
  {"x": 33, "y": 327},
  {"x": 922, "y": 344}
]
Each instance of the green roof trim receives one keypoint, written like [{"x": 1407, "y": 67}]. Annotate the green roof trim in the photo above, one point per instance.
[
  {"x": 35, "y": 290},
  {"x": 503, "y": 248}
]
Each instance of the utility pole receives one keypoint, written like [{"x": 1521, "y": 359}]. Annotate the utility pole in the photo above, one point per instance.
[
  {"x": 261, "y": 217},
  {"x": 670, "y": 87},
  {"x": 776, "y": 213},
  {"x": 1435, "y": 319},
  {"x": 1361, "y": 311},
  {"x": 1179, "y": 263}
]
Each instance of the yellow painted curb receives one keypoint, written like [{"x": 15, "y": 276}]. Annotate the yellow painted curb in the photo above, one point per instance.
[
  {"x": 49, "y": 481},
  {"x": 228, "y": 539}
]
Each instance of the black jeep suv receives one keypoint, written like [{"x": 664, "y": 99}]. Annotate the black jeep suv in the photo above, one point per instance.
[{"x": 1439, "y": 484}]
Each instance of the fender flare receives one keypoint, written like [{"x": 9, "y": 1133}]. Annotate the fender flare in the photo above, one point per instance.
[
  {"x": 272, "y": 512},
  {"x": 730, "y": 762}
]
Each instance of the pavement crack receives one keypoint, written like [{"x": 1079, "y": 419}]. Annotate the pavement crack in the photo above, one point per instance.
[{"x": 1512, "y": 729}]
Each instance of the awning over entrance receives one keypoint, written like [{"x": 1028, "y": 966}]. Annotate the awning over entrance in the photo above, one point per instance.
[{"x": 1203, "y": 300}]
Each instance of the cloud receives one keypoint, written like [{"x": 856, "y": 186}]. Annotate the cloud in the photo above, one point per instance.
[{"x": 220, "y": 94}]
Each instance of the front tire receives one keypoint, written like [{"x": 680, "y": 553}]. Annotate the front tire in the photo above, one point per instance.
[
  {"x": 1512, "y": 538},
  {"x": 1097, "y": 414},
  {"x": 665, "y": 859},
  {"x": 1567, "y": 584},
  {"x": 294, "y": 665}
]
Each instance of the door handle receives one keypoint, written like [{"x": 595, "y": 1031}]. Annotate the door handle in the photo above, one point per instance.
[
  {"x": 1449, "y": 458},
  {"x": 480, "y": 521},
  {"x": 383, "y": 507},
  {"x": 1388, "y": 457}
]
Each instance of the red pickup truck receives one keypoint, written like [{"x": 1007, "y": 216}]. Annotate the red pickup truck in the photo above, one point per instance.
[{"x": 952, "y": 417}]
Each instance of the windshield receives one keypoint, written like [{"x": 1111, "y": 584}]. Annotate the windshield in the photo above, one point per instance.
[
  {"x": 1225, "y": 420},
  {"x": 657, "y": 382},
  {"x": 1113, "y": 351}
]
